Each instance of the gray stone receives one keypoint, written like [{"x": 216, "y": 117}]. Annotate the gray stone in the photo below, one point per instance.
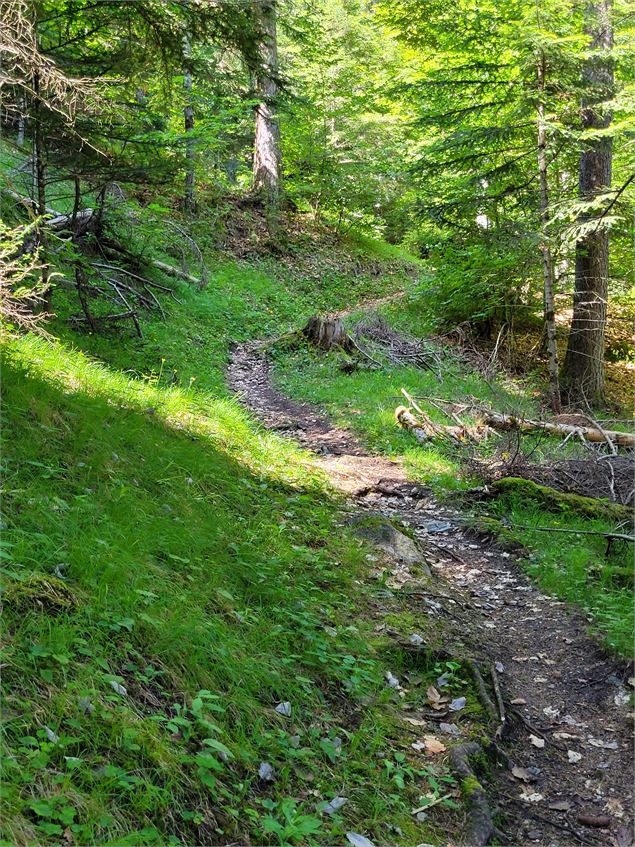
[{"x": 395, "y": 544}]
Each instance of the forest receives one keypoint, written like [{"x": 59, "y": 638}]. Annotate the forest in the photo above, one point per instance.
[{"x": 318, "y": 444}]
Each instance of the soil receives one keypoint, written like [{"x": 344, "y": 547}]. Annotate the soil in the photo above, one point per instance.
[
  {"x": 598, "y": 475},
  {"x": 560, "y": 689}
]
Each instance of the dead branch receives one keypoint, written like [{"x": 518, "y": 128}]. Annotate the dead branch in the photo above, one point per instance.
[
  {"x": 170, "y": 270},
  {"x": 592, "y": 434},
  {"x": 424, "y": 429},
  {"x": 88, "y": 217},
  {"x": 609, "y": 441},
  {"x": 621, "y": 535},
  {"x": 397, "y": 348},
  {"x": 407, "y": 420}
]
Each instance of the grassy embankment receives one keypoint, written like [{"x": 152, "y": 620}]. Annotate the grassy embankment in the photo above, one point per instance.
[{"x": 171, "y": 573}]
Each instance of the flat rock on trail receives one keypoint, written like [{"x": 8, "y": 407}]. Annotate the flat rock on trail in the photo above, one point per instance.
[{"x": 566, "y": 700}]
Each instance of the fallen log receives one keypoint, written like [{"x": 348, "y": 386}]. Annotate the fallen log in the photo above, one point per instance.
[
  {"x": 407, "y": 420},
  {"x": 559, "y": 501},
  {"x": 170, "y": 270},
  {"x": 505, "y": 423},
  {"x": 424, "y": 429}
]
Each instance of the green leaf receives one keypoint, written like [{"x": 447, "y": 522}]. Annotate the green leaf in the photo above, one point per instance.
[{"x": 216, "y": 745}]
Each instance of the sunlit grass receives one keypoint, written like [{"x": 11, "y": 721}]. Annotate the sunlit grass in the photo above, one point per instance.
[{"x": 158, "y": 543}]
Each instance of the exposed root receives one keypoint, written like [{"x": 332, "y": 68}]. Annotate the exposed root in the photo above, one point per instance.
[
  {"x": 483, "y": 694},
  {"x": 481, "y": 826}
]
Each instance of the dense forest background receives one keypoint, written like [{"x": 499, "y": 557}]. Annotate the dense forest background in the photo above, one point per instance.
[{"x": 493, "y": 139}]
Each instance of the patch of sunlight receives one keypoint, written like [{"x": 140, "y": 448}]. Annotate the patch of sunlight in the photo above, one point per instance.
[
  {"x": 219, "y": 420},
  {"x": 432, "y": 466}
]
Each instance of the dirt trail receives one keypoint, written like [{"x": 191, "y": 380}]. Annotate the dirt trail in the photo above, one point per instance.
[{"x": 565, "y": 690}]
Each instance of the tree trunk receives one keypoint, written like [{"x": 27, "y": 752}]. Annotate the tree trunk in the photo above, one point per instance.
[
  {"x": 583, "y": 371},
  {"x": 39, "y": 172},
  {"x": 327, "y": 333},
  {"x": 266, "y": 168},
  {"x": 21, "y": 123},
  {"x": 547, "y": 261},
  {"x": 188, "y": 116}
]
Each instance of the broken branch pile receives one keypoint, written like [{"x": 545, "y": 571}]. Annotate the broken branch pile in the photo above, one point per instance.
[
  {"x": 425, "y": 429},
  {"x": 118, "y": 279},
  {"x": 371, "y": 339},
  {"x": 380, "y": 339}
]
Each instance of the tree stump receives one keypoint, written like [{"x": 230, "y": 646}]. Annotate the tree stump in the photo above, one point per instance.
[{"x": 326, "y": 333}]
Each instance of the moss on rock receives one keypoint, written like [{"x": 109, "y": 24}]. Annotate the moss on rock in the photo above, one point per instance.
[{"x": 559, "y": 501}]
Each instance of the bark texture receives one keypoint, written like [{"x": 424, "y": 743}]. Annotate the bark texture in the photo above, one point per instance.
[
  {"x": 39, "y": 186},
  {"x": 188, "y": 120},
  {"x": 266, "y": 167},
  {"x": 326, "y": 333},
  {"x": 547, "y": 261},
  {"x": 583, "y": 371}
]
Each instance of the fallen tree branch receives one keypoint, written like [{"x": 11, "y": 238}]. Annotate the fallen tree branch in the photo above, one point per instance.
[
  {"x": 506, "y": 422},
  {"x": 610, "y": 443},
  {"x": 619, "y": 535},
  {"x": 407, "y": 420},
  {"x": 432, "y": 803},
  {"x": 424, "y": 429},
  {"x": 59, "y": 222},
  {"x": 429, "y": 423},
  {"x": 594, "y": 433},
  {"x": 172, "y": 271}
]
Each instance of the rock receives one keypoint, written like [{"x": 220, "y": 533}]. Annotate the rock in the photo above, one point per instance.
[
  {"x": 595, "y": 821},
  {"x": 394, "y": 543},
  {"x": 265, "y": 772}
]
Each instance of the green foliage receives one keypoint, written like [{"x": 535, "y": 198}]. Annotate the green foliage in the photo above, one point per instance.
[
  {"x": 470, "y": 88},
  {"x": 344, "y": 140},
  {"x": 155, "y": 541}
]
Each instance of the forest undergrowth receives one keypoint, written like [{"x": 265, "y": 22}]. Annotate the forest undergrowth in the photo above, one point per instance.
[{"x": 590, "y": 573}]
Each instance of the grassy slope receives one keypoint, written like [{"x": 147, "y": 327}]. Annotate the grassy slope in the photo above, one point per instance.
[
  {"x": 571, "y": 567},
  {"x": 170, "y": 574}
]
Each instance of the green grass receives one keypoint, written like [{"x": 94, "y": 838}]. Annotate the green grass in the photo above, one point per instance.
[
  {"x": 365, "y": 400},
  {"x": 580, "y": 569},
  {"x": 574, "y": 568},
  {"x": 241, "y": 301},
  {"x": 171, "y": 572}
]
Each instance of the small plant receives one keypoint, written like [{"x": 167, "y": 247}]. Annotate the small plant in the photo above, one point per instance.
[{"x": 288, "y": 823}]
